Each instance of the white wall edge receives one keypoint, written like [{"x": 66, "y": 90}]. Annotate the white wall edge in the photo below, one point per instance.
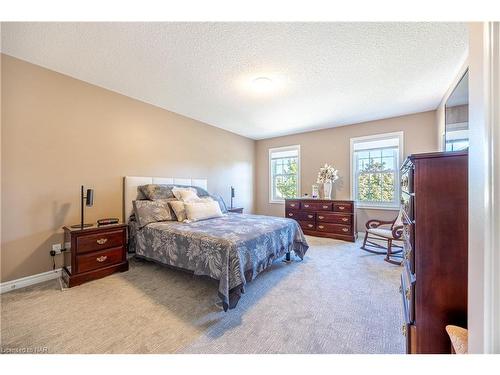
[{"x": 23, "y": 282}]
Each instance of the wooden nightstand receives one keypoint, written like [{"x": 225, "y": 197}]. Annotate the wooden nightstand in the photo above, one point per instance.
[
  {"x": 95, "y": 252},
  {"x": 236, "y": 210}
]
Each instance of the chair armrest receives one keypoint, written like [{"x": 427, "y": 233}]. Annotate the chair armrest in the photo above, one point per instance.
[
  {"x": 397, "y": 232},
  {"x": 377, "y": 223}
]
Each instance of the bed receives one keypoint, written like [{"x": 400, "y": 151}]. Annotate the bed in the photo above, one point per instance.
[{"x": 232, "y": 249}]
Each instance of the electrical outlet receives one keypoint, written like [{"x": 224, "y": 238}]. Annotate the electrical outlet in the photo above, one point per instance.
[
  {"x": 67, "y": 245},
  {"x": 57, "y": 248}
]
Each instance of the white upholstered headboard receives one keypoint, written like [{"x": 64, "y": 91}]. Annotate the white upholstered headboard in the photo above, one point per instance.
[{"x": 130, "y": 184}]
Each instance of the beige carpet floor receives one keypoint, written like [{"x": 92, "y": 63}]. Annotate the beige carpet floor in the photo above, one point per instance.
[{"x": 338, "y": 300}]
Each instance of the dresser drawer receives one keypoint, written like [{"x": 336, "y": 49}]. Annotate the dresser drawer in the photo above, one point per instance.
[
  {"x": 99, "y": 241},
  {"x": 308, "y": 225},
  {"x": 407, "y": 204},
  {"x": 316, "y": 206},
  {"x": 297, "y": 215},
  {"x": 408, "y": 290},
  {"x": 292, "y": 205},
  {"x": 342, "y": 207},
  {"x": 99, "y": 259},
  {"x": 334, "y": 228},
  {"x": 336, "y": 218}
]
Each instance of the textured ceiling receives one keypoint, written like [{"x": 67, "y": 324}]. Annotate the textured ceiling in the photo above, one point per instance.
[{"x": 328, "y": 74}]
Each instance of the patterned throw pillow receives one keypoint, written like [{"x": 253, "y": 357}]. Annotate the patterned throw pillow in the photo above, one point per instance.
[
  {"x": 179, "y": 210},
  {"x": 152, "y": 211},
  {"x": 156, "y": 191}
]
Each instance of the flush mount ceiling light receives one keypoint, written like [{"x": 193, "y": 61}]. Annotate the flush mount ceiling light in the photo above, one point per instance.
[{"x": 262, "y": 84}]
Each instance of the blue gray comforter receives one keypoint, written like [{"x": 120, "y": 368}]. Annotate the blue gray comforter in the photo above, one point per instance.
[{"x": 232, "y": 249}]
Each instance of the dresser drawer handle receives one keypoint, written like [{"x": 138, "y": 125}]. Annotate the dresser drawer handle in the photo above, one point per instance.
[
  {"x": 292, "y": 204},
  {"x": 310, "y": 225},
  {"x": 325, "y": 206},
  {"x": 102, "y": 241},
  {"x": 321, "y": 227},
  {"x": 403, "y": 330},
  {"x": 344, "y": 219},
  {"x": 310, "y": 216},
  {"x": 290, "y": 214},
  {"x": 306, "y": 205},
  {"x": 341, "y": 207},
  {"x": 321, "y": 217},
  {"x": 345, "y": 230},
  {"x": 101, "y": 258}
]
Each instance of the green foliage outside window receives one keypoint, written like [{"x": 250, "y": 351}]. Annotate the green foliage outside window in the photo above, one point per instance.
[
  {"x": 375, "y": 183},
  {"x": 285, "y": 177}
]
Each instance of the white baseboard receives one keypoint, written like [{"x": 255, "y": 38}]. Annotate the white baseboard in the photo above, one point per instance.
[{"x": 29, "y": 280}]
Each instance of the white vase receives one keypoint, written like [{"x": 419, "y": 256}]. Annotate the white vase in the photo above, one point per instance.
[{"x": 327, "y": 190}]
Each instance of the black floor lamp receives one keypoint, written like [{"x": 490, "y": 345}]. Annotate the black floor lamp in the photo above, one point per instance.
[{"x": 89, "y": 201}]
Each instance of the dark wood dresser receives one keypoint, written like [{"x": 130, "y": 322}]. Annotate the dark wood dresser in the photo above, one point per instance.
[
  {"x": 95, "y": 252},
  {"x": 434, "y": 279},
  {"x": 324, "y": 218}
]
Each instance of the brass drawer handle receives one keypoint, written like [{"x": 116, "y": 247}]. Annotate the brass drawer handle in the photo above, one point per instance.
[
  {"x": 321, "y": 227},
  {"x": 292, "y": 204},
  {"x": 345, "y": 230},
  {"x": 341, "y": 207},
  {"x": 101, "y": 258},
  {"x": 403, "y": 330},
  {"x": 310, "y": 216},
  {"x": 321, "y": 217},
  {"x": 102, "y": 241},
  {"x": 310, "y": 225},
  {"x": 407, "y": 293},
  {"x": 306, "y": 205},
  {"x": 344, "y": 219},
  {"x": 290, "y": 214},
  {"x": 325, "y": 206}
]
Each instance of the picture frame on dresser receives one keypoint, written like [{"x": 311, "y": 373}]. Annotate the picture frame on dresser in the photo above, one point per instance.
[{"x": 324, "y": 217}]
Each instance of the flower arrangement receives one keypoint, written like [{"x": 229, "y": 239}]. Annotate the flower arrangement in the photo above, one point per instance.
[{"x": 327, "y": 174}]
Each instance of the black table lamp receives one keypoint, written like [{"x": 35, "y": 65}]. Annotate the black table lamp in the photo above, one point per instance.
[
  {"x": 89, "y": 201},
  {"x": 232, "y": 196}
]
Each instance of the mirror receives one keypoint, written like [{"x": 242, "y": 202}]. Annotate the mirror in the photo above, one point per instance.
[{"x": 457, "y": 117}]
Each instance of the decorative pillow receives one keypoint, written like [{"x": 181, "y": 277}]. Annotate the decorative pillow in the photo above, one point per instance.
[
  {"x": 185, "y": 194},
  {"x": 202, "y": 210},
  {"x": 156, "y": 191},
  {"x": 220, "y": 200},
  {"x": 164, "y": 191},
  {"x": 179, "y": 210},
  {"x": 152, "y": 211}
]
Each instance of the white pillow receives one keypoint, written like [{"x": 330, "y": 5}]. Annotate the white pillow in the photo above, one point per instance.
[
  {"x": 185, "y": 194},
  {"x": 202, "y": 210}
]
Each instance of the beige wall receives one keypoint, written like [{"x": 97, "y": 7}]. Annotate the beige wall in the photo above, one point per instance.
[
  {"x": 333, "y": 146},
  {"x": 60, "y": 133}
]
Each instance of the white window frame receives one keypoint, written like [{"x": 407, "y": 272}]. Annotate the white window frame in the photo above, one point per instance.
[
  {"x": 377, "y": 137},
  {"x": 278, "y": 149}
]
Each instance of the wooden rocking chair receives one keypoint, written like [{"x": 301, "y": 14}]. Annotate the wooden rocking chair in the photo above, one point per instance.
[{"x": 392, "y": 232}]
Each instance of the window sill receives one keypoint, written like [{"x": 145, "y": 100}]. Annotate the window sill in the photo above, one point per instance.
[
  {"x": 276, "y": 202},
  {"x": 369, "y": 207}
]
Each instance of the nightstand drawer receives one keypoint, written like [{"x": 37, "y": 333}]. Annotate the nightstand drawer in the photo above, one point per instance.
[
  {"x": 99, "y": 259},
  {"x": 99, "y": 241}
]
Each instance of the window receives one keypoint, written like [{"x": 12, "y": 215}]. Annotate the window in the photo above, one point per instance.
[
  {"x": 284, "y": 173},
  {"x": 375, "y": 170}
]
